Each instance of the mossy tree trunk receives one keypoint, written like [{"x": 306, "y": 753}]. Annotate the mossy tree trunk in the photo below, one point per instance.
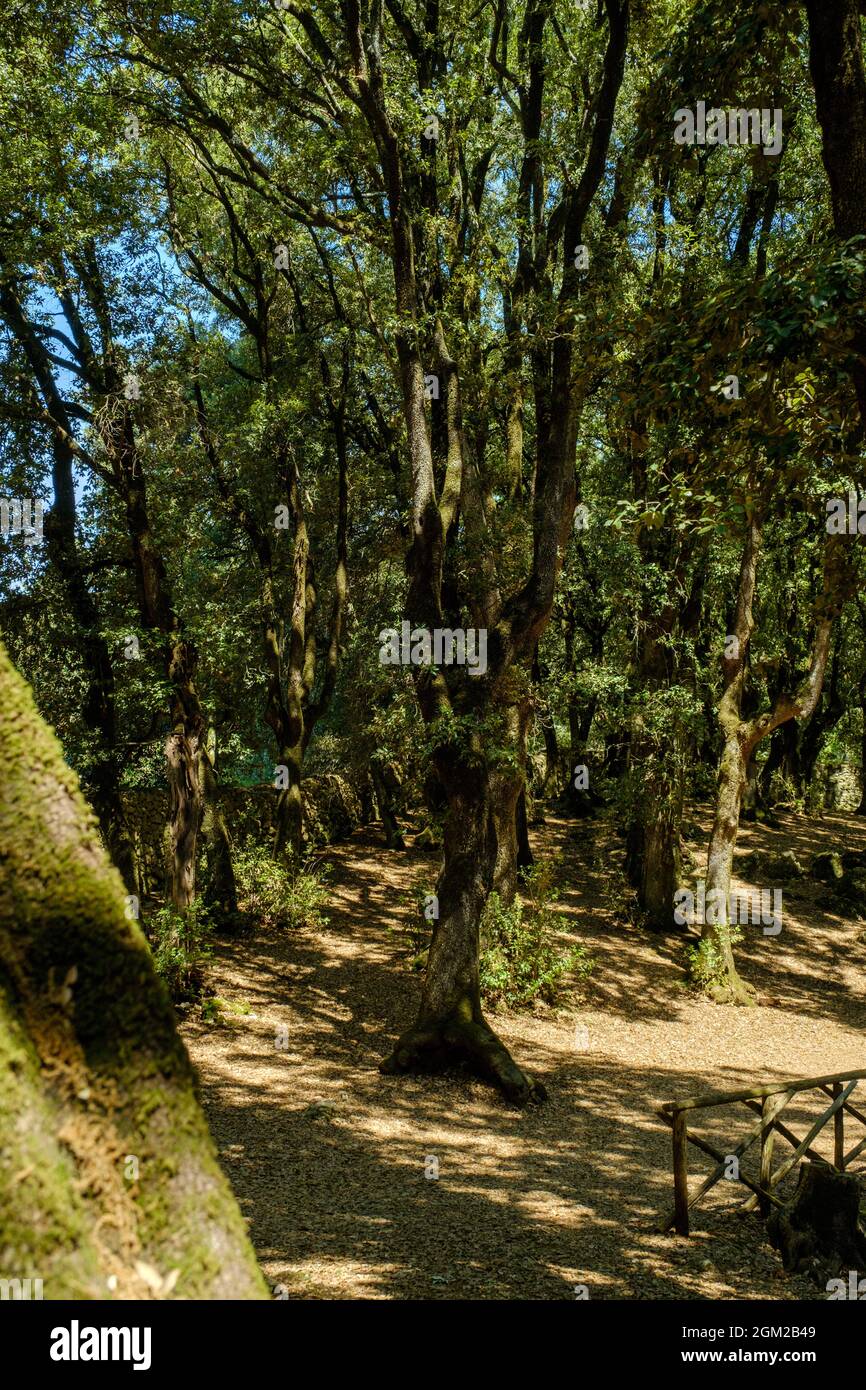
[{"x": 105, "y": 1150}]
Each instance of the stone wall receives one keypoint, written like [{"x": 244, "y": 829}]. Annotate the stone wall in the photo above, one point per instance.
[{"x": 332, "y": 810}]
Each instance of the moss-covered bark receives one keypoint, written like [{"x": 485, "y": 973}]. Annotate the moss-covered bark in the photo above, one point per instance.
[{"x": 106, "y": 1164}]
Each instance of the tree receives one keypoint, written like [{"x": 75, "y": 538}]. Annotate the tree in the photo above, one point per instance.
[{"x": 114, "y": 1181}]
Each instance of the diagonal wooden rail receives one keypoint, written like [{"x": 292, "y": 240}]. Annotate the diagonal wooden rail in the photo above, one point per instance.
[{"x": 768, "y": 1101}]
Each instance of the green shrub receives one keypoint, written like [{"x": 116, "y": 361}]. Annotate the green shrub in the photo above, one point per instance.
[
  {"x": 705, "y": 962},
  {"x": 281, "y": 891},
  {"x": 180, "y": 944},
  {"x": 520, "y": 960}
]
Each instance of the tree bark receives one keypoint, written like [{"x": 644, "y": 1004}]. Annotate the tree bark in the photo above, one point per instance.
[
  {"x": 384, "y": 789},
  {"x": 861, "y": 809},
  {"x": 817, "y": 1233},
  {"x": 507, "y": 785},
  {"x": 839, "y": 79},
  {"x": 114, "y": 1166},
  {"x": 451, "y": 1026},
  {"x": 742, "y": 736},
  {"x": 221, "y": 888}
]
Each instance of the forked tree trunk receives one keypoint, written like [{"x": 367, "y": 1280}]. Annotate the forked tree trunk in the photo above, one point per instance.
[
  {"x": 741, "y": 738},
  {"x": 457, "y": 496},
  {"x": 106, "y": 1164}
]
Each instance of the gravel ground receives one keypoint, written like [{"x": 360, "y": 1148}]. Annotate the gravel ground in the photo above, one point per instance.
[{"x": 363, "y": 1186}]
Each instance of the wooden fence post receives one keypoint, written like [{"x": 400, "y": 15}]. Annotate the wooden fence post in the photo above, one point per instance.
[
  {"x": 838, "y": 1132},
  {"x": 681, "y": 1173},
  {"x": 768, "y": 1138}
]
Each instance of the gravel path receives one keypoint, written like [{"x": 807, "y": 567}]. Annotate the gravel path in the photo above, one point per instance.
[{"x": 332, "y": 1162}]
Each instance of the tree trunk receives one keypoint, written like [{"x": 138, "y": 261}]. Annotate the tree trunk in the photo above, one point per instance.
[
  {"x": 729, "y": 987},
  {"x": 114, "y": 1166},
  {"x": 751, "y": 792},
  {"x": 221, "y": 887},
  {"x": 836, "y": 66},
  {"x": 383, "y": 786},
  {"x": 450, "y": 1026},
  {"x": 525, "y": 857},
  {"x": 183, "y": 757},
  {"x": 507, "y": 783},
  {"x": 184, "y": 818},
  {"x": 659, "y": 871},
  {"x": 742, "y": 736},
  {"x": 817, "y": 1232},
  {"x": 289, "y": 815},
  {"x": 551, "y": 756},
  {"x": 861, "y": 809}
]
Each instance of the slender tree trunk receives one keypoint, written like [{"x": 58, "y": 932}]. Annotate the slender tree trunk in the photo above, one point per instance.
[
  {"x": 736, "y": 752},
  {"x": 548, "y": 731},
  {"x": 525, "y": 857},
  {"x": 98, "y": 1102},
  {"x": 551, "y": 756},
  {"x": 384, "y": 789},
  {"x": 507, "y": 784},
  {"x": 221, "y": 887},
  {"x": 861, "y": 809},
  {"x": 751, "y": 792},
  {"x": 720, "y": 858},
  {"x": 183, "y": 764},
  {"x": 741, "y": 738}
]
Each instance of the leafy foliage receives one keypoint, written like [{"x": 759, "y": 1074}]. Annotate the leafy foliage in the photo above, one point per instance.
[
  {"x": 180, "y": 943},
  {"x": 280, "y": 891},
  {"x": 521, "y": 960}
]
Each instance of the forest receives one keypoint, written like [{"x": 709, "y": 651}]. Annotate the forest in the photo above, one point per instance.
[{"x": 432, "y": 650}]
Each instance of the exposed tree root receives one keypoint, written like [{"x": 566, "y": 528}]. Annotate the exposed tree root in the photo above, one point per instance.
[
  {"x": 733, "y": 990},
  {"x": 435, "y": 1045}
]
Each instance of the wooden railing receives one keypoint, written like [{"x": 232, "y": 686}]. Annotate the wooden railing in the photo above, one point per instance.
[{"x": 768, "y": 1102}]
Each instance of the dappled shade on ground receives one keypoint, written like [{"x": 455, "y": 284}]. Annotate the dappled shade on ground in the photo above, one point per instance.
[{"x": 328, "y": 1158}]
